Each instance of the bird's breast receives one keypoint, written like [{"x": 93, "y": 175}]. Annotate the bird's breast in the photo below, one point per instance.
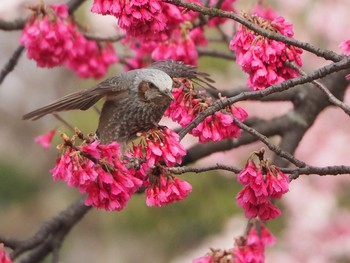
[{"x": 121, "y": 119}]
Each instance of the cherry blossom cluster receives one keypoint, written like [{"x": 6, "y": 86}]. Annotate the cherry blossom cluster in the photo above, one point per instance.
[
  {"x": 138, "y": 18},
  {"x": 145, "y": 20},
  {"x": 52, "y": 39},
  {"x": 249, "y": 248},
  {"x": 4, "y": 256},
  {"x": 156, "y": 30},
  {"x": 181, "y": 45},
  {"x": 97, "y": 170},
  {"x": 262, "y": 183},
  {"x": 262, "y": 58},
  {"x": 161, "y": 145},
  {"x": 165, "y": 189},
  {"x": 189, "y": 102},
  {"x": 110, "y": 179}
]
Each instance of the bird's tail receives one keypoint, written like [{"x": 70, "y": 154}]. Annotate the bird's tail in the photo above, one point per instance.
[{"x": 82, "y": 100}]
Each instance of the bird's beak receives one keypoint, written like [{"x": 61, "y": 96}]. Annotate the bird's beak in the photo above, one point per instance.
[{"x": 170, "y": 95}]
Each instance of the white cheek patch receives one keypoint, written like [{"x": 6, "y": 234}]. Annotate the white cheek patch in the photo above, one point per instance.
[{"x": 159, "y": 78}]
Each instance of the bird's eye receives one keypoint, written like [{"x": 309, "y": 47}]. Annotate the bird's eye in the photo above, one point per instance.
[{"x": 152, "y": 86}]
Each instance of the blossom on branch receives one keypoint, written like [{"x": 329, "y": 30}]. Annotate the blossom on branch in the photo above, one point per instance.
[
  {"x": 146, "y": 19},
  {"x": 251, "y": 249},
  {"x": 262, "y": 183},
  {"x": 48, "y": 35},
  {"x": 189, "y": 102},
  {"x": 51, "y": 38},
  {"x": 98, "y": 171},
  {"x": 164, "y": 189},
  {"x": 89, "y": 59},
  {"x": 180, "y": 47},
  {"x": 143, "y": 19},
  {"x": 262, "y": 58},
  {"x": 226, "y": 5},
  {"x": 162, "y": 144}
]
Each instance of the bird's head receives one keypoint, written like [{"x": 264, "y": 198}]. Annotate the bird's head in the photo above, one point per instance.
[{"x": 153, "y": 84}]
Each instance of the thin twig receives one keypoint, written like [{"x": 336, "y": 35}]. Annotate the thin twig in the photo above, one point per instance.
[
  {"x": 294, "y": 172},
  {"x": 13, "y": 25},
  {"x": 216, "y": 53},
  {"x": 60, "y": 118},
  {"x": 11, "y": 63},
  {"x": 324, "y": 89},
  {"x": 213, "y": 12},
  {"x": 285, "y": 85},
  {"x": 270, "y": 145},
  {"x": 189, "y": 169},
  {"x": 103, "y": 38}
]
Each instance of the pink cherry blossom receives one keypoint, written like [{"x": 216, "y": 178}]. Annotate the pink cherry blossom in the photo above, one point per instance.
[
  {"x": 142, "y": 53},
  {"x": 219, "y": 126},
  {"x": 226, "y": 5},
  {"x": 166, "y": 190},
  {"x": 141, "y": 19},
  {"x": 264, "y": 59},
  {"x": 51, "y": 38},
  {"x": 177, "y": 15},
  {"x": 163, "y": 145},
  {"x": 189, "y": 103},
  {"x": 141, "y": 172},
  {"x": 264, "y": 12},
  {"x": 261, "y": 185},
  {"x": 180, "y": 47},
  {"x": 88, "y": 59},
  {"x": 45, "y": 139},
  {"x": 345, "y": 46},
  {"x": 48, "y": 37},
  {"x": 251, "y": 249},
  {"x": 180, "y": 109},
  {"x": 97, "y": 170},
  {"x": 4, "y": 256}
]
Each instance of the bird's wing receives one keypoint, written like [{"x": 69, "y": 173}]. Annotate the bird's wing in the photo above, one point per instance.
[
  {"x": 178, "y": 69},
  {"x": 81, "y": 100}
]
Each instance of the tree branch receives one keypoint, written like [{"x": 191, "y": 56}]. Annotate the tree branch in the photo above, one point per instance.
[
  {"x": 294, "y": 172},
  {"x": 10, "y": 65},
  {"x": 213, "y": 12},
  {"x": 220, "y": 104},
  {"x": 41, "y": 243}
]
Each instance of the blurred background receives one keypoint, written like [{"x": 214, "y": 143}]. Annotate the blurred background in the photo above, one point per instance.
[{"x": 313, "y": 228}]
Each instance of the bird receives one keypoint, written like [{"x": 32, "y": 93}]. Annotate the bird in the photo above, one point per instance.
[{"x": 135, "y": 100}]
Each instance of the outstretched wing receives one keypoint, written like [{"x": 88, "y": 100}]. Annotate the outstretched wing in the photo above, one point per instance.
[
  {"x": 81, "y": 100},
  {"x": 178, "y": 69}
]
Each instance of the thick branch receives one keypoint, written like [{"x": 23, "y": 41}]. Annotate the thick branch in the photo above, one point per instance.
[
  {"x": 327, "y": 54},
  {"x": 56, "y": 228},
  {"x": 220, "y": 104}
]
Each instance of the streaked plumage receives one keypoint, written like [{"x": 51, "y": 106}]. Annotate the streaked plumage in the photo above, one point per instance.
[{"x": 135, "y": 100}]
